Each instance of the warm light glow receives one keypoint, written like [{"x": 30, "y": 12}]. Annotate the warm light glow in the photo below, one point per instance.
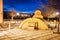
[
  {"x": 57, "y": 13},
  {"x": 37, "y": 14},
  {"x": 29, "y": 24},
  {"x": 17, "y": 13}
]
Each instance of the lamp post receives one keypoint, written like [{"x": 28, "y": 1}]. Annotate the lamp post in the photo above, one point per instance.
[
  {"x": 18, "y": 14},
  {"x": 58, "y": 23},
  {"x": 57, "y": 13}
]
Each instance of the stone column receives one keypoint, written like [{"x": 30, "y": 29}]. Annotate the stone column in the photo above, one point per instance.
[{"x": 1, "y": 12}]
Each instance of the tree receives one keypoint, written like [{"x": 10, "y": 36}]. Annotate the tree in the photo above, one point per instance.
[
  {"x": 11, "y": 14},
  {"x": 55, "y": 3},
  {"x": 49, "y": 9}
]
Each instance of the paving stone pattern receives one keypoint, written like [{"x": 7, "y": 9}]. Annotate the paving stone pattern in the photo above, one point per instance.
[{"x": 19, "y": 34}]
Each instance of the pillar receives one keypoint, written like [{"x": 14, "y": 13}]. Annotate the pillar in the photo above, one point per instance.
[{"x": 1, "y": 12}]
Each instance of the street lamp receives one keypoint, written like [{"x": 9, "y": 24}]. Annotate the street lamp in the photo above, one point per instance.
[
  {"x": 17, "y": 14},
  {"x": 57, "y": 13}
]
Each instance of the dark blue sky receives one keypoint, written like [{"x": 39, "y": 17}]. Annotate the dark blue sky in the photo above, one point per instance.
[{"x": 22, "y": 5}]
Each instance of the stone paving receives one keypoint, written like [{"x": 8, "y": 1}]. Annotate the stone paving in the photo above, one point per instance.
[{"x": 19, "y": 34}]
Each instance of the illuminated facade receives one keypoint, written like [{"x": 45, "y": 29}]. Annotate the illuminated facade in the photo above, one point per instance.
[
  {"x": 37, "y": 14},
  {"x": 34, "y": 22}
]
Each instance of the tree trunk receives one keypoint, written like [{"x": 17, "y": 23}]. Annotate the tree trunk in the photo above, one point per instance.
[{"x": 12, "y": 18}]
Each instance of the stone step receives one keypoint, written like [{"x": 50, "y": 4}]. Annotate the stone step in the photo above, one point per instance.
[
  {"x": 27, "y": 35},
  {"x": 46, "y": 37},
  {"x": 38, "y": 35},
  {"x": 4, "y": 38},
  {"x": 52, "y": 36}
]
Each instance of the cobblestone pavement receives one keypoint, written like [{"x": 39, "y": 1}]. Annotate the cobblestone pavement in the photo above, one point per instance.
[{"x": 19, "y": 34}]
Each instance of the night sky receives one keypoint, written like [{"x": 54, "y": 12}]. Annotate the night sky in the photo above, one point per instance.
[{"x": 22, "y": 5}]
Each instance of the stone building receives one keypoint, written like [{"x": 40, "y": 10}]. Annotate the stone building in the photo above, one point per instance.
[{"x": 35, "y": 22}]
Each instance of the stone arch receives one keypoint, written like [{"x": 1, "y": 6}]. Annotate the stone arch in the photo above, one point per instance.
[{"x": 30, "y": 24}]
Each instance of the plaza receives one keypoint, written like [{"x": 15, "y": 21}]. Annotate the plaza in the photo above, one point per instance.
[
  {"x": 19, "y": 34},
  {"x": 33, "y": 27}
]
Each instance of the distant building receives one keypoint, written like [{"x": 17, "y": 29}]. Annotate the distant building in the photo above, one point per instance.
[
  {"x": 23, "y": 16},
  {"x": 19, "y": 16}
]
